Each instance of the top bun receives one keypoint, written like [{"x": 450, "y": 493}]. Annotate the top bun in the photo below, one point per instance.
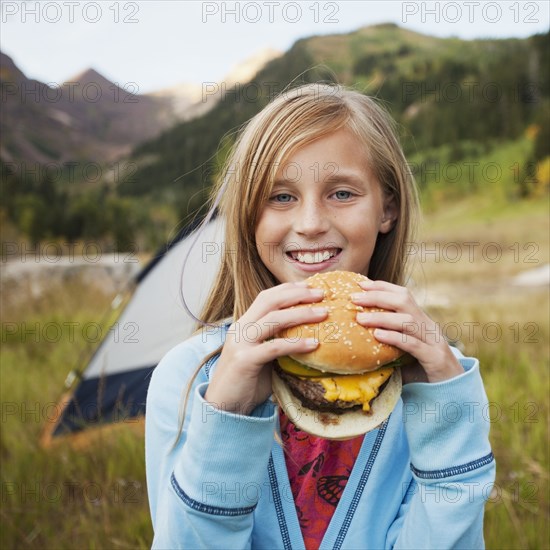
[{"x": 345, "y": 347}]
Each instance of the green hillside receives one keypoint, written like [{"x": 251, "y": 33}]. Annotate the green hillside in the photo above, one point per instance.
[{"x": 469, "y": 95}]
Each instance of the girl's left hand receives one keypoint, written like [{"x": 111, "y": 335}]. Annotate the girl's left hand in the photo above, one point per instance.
[{"x": 407, "y": 327}]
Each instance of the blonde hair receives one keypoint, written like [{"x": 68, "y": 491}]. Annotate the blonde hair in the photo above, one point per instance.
[{"x": 295, "y": 118}]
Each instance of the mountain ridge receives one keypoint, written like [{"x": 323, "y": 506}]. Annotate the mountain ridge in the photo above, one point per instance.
[
  {"x": 89, "y": 118},
  {"x": 411, "y": 73}
]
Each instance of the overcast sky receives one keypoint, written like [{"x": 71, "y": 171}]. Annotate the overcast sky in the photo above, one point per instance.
[{"x": 157, "y": 44}]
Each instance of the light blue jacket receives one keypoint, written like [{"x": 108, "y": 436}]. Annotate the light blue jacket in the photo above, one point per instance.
[{"x": 419, "y": 481}]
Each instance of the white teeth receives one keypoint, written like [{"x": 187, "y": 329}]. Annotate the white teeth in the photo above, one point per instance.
[{"x": 314, "y": 257}]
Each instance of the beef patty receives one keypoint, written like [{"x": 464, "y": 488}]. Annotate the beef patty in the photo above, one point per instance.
[{"x": 312, "y": 394}]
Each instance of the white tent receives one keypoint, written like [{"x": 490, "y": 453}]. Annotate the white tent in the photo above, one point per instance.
[{"x": 113, "y": 385}]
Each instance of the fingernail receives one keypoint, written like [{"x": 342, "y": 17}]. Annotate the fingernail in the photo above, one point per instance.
[
  {"x": 366, "y": 284},
  {"x": 317, "y": 292},
  {"x": 301, "y": 283},
  {"x": 319, "y": 310},
  {"x": 356, "y": 295},
  {"x": 311, "y": 342},
  {"x": 380, "y": 332}
]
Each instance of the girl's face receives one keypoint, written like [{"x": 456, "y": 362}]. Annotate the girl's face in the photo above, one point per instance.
[{"x": 325, "y": 211}]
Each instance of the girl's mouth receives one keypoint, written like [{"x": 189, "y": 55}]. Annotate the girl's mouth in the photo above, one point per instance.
[{"x": 318, "y": 256}]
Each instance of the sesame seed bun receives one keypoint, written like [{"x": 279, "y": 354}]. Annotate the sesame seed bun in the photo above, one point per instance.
[{"x": 345, "y": 347}]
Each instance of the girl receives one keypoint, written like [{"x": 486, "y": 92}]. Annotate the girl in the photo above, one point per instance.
[{"x": 316, "y": 182}]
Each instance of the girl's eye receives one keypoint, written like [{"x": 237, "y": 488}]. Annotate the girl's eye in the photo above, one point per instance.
[
  {"x": 282, "y": 197},
  {"x": 343, "y": 195}
]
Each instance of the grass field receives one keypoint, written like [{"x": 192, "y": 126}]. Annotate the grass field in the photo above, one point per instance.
[
  {"x": 507, "y": 328},
  {"x": 96, "y": 498}
]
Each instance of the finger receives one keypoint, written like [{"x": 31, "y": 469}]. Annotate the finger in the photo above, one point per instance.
[
  {"x": 394, "y": 301},
  {"x": 255, "y": 357},
  {"x": 438, "y": 362},
  {"x": 381, "y": 285},
  {"x": 275, "y": 321},
  {"x": 418, "y": 344},
  {"x": 406, "y": 342},
  {"x": 400, "y": 322},
  {"x": 279, "y": 347},
  {"x": 281, "y": 297},
  {"x": 423, "y": 328}
]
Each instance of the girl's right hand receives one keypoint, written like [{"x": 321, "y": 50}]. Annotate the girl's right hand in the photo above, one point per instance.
[{"x": 242, "y": 378}]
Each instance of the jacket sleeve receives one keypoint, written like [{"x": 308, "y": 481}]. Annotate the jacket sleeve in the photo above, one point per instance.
[
  {"x": 453, "y": 468},
  {"x": 202, "y": 491}
]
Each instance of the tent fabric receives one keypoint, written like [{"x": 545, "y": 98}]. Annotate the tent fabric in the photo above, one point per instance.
[
  {"x": 113, "y": 386},
  {"x": 113, "y": 398}
]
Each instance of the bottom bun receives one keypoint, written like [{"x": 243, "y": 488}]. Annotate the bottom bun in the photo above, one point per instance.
[{"x": 338, "y": 426}]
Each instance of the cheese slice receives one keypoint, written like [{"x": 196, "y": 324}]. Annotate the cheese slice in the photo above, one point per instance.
[
  {"x": 298, "y": 369},
  {"x": 360, "y": 388}
]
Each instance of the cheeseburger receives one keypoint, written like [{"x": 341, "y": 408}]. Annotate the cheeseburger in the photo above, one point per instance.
[{"x": 351, "y": 382}]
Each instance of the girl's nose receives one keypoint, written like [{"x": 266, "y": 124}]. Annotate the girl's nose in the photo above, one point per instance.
[{"x": 311, "y": 219}]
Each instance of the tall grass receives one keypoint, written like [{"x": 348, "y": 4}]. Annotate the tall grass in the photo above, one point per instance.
[
  {"x": 515, "y": 371},
  {"x": 507, "y": 327},
  {"x": 61, "y": 497},
  {"x": 95, "y": 497}
]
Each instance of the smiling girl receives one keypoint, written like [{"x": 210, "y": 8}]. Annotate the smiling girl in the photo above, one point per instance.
[{"x": 316, "y": 182}]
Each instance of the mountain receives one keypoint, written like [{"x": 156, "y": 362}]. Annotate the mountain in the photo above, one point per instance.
[
  {"x": 182, "y": 98},
  {"x": 89, "y": 118},
  {"x": 467, "y": 94},
  {"x": 190, "y": 100},
  {"x": 246, "y": 70}
]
